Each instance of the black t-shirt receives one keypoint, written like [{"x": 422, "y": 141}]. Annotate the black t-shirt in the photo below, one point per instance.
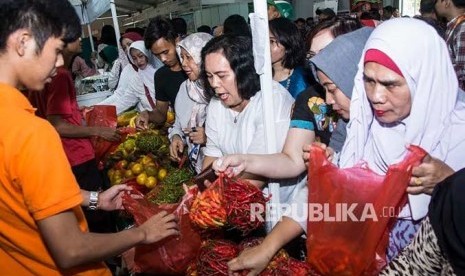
[
  {"x": 167, "y": 84},
  {"x": 312, "y": 113}
]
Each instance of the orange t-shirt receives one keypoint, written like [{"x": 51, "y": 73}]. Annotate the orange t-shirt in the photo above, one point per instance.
[{"x": 36, "y": 182}]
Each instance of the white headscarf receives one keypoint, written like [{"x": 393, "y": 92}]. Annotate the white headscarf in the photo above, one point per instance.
[
  {"x": 437, "y": 117},
  {"x": 193, "y": 45},
  {"x": 148, "y": 73}
]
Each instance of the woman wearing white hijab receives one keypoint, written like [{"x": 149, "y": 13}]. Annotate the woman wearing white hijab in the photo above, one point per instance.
[
  {"x": 191, "y": 103},
  {"x": 406, "y": 92},
  {"x": 141, "y": 90}
]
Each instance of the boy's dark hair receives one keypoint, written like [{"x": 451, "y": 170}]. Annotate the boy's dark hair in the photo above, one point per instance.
[
  {"x": 238, "y": 51},
  {"x": 427, "y": 6},
  {"x": 43, "y": 18},
  {"x": 159, "y": 27},
  {"x": 236, "y": 25},
  {"x": 204, "y": 29},
  {"x": 287, "y": 34},
  {"x": 300, "y": 19},
  {"x": 180, "y": 26}
]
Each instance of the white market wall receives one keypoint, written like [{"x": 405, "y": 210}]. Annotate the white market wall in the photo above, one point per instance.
[{"x": 215, "y": 15}]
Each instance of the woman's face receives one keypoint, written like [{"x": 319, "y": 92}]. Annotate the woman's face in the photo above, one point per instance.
[
  {"x": 125, "y": 43},
  {"x": 139, "y": 58},
  {"x": 277, "y": 49},
  {"x": 189, "y": 66},
  {"x": 387, "y": 92},
  {"x": 335, "y": 97},
  {"x": 320, "y": 40},
  {"x": 222, "y": 79}
]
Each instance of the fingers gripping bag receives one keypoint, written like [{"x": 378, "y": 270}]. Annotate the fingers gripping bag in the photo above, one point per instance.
[
  {"x": 102, "y": 116},
  {"x": 172, "y": 255},
  {"x": 350, "y": 212}
]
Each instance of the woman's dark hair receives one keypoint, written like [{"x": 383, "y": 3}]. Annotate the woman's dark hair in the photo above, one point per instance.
[
  {"x": 236, "y": 25},
  {"x": 238, "y": 51},
  {"x": 159, "y": 27},
  {"x": 287, "y": 34},
  {"x": 44, "y": 18},
  {"x": 108, "y": 35},
  {"x": 338, "y": 26}
]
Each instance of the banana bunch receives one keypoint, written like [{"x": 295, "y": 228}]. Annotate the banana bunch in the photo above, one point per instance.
[{"x": 127, "y": 118}]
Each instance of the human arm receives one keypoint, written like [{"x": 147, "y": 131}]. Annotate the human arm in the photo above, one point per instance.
[
  {"x": 257, "y": 258},
  {"x": 108, "y": 200},
  {"x": 69, "y": 246},
  {"x": 156, "y": 116},
  {"x": 68, "y": 130},
  {"x": 427, "y": 175},
  {"x": 287, "y": 164},
  {"x": 114, "y": 74},
  {"x": 306, "y": 155},
  {"x": 128, "y": 95}
]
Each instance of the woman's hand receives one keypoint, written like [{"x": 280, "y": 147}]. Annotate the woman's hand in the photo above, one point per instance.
[
  {"x": 306, "y": 149},
  {"x": 176, "y": 148},
  {"x": 142, "y": 121},
  {"x": 253, "y": 259},
  {"x": 231, "y": 165},
  {"x": 427, "y": 175},
  {"x": 196, "y": 135}
]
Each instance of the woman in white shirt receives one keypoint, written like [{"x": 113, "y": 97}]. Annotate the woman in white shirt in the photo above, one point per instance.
[
  {"x": 191, "y": 103},
  {"x": 235, "y": 122},
  {"x": 140, "y": 91}
]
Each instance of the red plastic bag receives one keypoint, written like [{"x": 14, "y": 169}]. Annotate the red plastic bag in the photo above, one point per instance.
[
  {"x": 172, "y": 255},
  {"x": 351, "y": 211},
  {"x": 102, "y": 116}
]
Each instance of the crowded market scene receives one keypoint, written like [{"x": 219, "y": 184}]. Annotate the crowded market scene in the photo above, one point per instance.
[{"x": 237, "y": 137}]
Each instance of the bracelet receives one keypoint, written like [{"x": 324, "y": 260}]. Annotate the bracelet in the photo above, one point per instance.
[{"x": 93, "y": 200}]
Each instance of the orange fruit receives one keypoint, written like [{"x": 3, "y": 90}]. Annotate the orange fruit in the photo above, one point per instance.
[
  {"x": 128, "y": 174},
  {"x": 170, "y": 116},
  {"x": 137, "y": 169},
  {"x": 141, "y": 178},
  {"x": 123, "y": 164},
  {"x": 162, "y": 174},
  {"x": 146, "y": 160},
  {"x": 151, "y": 182},
  {"x": 151, "y": 170},
  {"x": 129, "y": 145}
]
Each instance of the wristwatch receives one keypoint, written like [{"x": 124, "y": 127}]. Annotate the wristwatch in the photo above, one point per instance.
[{"x": 93, "y": 200}]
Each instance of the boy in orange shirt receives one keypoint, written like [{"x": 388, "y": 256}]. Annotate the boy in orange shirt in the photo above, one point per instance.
[{"x": 43, "y": 230}]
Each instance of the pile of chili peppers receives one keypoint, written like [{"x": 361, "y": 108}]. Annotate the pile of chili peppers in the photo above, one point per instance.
[
  {"x": 213, "y": 258},
  {"x": 241, "y": 197},
  {"x": 208, "y": 210},
  {"x": 281, "y": 264},
  {"x": 229, "y": 201}
]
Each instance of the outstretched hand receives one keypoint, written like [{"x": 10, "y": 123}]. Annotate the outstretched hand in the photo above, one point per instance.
[
  {"x": 253, "y": 259},
  {"x": 158, "y": 227},
  {"x": 427, "y": 175},
  {"x": 112, "y": 199},
  {"x": 230, "y": 165}
]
